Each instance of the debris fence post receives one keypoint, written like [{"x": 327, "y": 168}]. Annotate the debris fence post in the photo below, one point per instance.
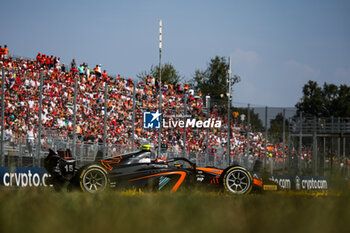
[
  {"x": 208, "y": 131},
  {"x": 2, "y": 116},
  {"x": 40, "y": 123},
  {"x": 160, "y": 87},
  {"x": 75, "y": 115},
  {"x": 314, "y": 144},
  {"x": 105, "y": 121},
  {"x": 133, "y": 118},
  {"x": 228, "y": 112},
  {"x": 265, "y": 155},
  {"x": 184, "y": 133},
  {"x": 248, "y": 129},
  {"x": 300, "y": 141},
  {"x": 284, "y": 138}
]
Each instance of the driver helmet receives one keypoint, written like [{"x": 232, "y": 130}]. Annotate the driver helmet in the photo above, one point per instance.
[{"x": 161, "y": 160}]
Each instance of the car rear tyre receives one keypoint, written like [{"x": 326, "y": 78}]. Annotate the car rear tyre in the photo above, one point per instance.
[
  {"x": 94, "y": 179},
  {"x": 237, "y": 180}
]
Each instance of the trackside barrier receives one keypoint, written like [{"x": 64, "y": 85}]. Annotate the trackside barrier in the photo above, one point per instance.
[
  {"x": 281, "y": 138},
  {"x": 35, "y": 177},
  {"x": 23, "y": 177},
  {"x": 308, "y": 183}
]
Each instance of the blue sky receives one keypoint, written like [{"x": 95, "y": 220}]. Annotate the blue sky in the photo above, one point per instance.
[{"x": 276, "y": 46}]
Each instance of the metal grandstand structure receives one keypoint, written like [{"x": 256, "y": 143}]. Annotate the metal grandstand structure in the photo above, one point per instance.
[
  {"x": 328, "y": 138},
  {"x": 325, "y": 141}
]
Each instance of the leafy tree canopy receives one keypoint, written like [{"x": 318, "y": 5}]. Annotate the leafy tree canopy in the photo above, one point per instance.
[
  {"x": 276, "y": 128},
  {"x": 255, "y": 122},
  {"x": 326, "y": 101},
  {"x": 213, "y": 80},
  {"x": 169, "y": 73}
]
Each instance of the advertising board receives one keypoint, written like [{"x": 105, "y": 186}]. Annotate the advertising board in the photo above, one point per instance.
[{"x": 23, "y": 176}]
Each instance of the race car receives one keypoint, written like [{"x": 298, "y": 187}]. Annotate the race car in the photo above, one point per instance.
[{"x": 139, "y": 171}]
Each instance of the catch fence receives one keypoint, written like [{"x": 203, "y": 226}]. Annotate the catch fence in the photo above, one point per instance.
[{"x": 277, "y": 139}]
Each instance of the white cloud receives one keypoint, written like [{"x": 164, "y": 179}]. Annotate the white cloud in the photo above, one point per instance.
[
  {"x": 245, "y": 92},
  {"x": 244, "y": 59},
  {"x": 301, "y": 71},
  {"x": 342, "y": 73}
]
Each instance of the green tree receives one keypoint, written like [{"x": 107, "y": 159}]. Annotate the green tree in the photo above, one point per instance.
[
  {"x": 330, "y": 100},
  {"x": 169, "y": 73},
  {"x": 276, "y": 128},
  {"x": 255, "y": 122},
  {"x": 343, "y": 101},
  {"x": 213, "y": 80}
]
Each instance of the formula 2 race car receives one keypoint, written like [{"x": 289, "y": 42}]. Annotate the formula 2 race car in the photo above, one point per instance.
[{"x": 137, "y": 170}]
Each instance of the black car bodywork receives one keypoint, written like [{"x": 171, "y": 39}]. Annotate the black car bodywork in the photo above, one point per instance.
[{"x": 138, "y": 170}]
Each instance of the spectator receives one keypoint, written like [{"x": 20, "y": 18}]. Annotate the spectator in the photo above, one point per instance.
[
  {"x": 58, "y": 93},
  {"x": 30, "y": 139},
  {"x": 87, "y": 70},
  {"x": 73, "y": 66},
  {"x": 5, "y": 52},
  {"x": 81, "y": 69}
]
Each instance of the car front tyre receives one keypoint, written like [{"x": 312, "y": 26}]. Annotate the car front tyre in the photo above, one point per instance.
[
  {"x": 237, "y": 180},
  {"x": 93, "y": 179}
]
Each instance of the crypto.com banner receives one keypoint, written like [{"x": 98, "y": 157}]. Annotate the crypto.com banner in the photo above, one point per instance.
[
  {"x": 23, "y": 176},
  {"x": 300, "y": 182}
]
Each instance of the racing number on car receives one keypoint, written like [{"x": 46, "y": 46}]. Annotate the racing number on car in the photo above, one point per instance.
[{"x": 69, "y": 167}]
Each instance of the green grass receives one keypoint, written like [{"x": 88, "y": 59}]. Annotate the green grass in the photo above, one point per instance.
[{"x": 39, "y": 210}]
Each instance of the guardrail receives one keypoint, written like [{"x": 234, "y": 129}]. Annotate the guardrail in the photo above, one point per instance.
[{"x": 18, "y": 155}]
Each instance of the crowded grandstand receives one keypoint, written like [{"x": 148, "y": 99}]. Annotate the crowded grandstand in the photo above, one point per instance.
[{"x": 22, "y": 106}]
